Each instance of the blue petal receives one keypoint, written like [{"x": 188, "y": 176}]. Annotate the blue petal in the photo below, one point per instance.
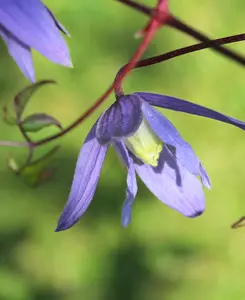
[
  {"x": 122, "y": 119},
  {"x": 188, "y": 107},
  {"x": 165, "y": 130},
  {"x": 21, "y": 54},
  {"x": 31, "y": 23},
  {"x": 85, "y": 180},
  {"x": 173, "y": 185},
  {"x": 58, "y": 24},
  {"x": 204, "y": 176},
  {"x": 131, "y": 183}
]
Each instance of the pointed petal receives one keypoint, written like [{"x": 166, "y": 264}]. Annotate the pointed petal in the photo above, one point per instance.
[
  {"x": 122, "y": 119},
  {"x": 21, "y": 54},
  {"x": 85, "y": 180},
  {"x": 58, "y": 24},
  {"x": 204, "y": 176},
  {"x": 131, "y": 183},
  {"x": 189, "y": 107},
  {"x": 173, "y": 185},
  {"x": 31, "y": 23},
  {"x": 184, "y": 153}
]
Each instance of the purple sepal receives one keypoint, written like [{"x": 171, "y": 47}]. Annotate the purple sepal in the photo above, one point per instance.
[
  {"x": 171, "y": 183},
  {"x": 85, "y": 181}
]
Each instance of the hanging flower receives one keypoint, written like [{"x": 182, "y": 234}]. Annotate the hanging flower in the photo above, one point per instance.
[
  {"x": 27, "y": 24},
  {"x": 150, "y": 146}
]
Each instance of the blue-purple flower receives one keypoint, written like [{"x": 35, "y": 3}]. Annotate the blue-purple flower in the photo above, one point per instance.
[
  {"x": 27, "y": 24},
  {"x": 150, "y": 146}
]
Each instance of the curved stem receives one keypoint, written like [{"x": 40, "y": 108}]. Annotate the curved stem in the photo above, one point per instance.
[
  {"x": 186, "y": 50},
  {"x": 28, "y": 160},
  {"x": 177, "y": 24},
  {"x": 22, "y": 131},
  {"x": 142, "y": 63},
  {"x": 139, "y": 52}
]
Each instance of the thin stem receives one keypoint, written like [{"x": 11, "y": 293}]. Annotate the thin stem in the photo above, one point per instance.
[
  {"x": 14, "y": 144},
  {"x": 28, "y": 160},
  {"x": 22, "y": 131},
  {"x": 142, "y": 63},
  {"x": 144, "y": 9},
  {"x": 186, "y": 50},
  {"x": 175, "y": 23},
  {"x": 29, "y": 157},
  {"x": 139, "y": 52},
  {"x": 182, "y": 51}
]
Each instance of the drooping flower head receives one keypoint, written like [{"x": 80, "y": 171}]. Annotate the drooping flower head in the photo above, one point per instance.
[
  {"x": 150, "y": 146},
  {"x": 27, "y": 24}
]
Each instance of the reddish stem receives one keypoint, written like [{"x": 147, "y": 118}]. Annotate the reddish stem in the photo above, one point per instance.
[
  {"x": 155, "y": 24},
  {"x": 142, "y": 63},
  {"x": 144, "y": 9},
  {"x": 177, "y": 24},
  {"x": 159, "y": 16},
  {"x": 185, "y": 50}
]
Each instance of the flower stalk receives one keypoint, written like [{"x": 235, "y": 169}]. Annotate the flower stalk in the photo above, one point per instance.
[
  {"x": 179, "y": 25},
  {"x": 142, "y": 63}
]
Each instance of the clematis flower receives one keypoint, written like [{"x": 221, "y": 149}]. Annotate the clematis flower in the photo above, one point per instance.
[
  {"x": 28, "y": 24},
  {"x": 150, "y": 146}
]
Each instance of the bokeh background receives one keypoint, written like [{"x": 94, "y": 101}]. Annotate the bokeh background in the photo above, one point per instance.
[{"x": 161, "y": 255}]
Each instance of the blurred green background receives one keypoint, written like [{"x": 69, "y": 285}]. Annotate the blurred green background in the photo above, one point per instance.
[{"x": 161, "y": 255}]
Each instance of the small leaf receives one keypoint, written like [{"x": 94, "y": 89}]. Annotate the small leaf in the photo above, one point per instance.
[
  {"x": 23, "y": 97},
  {"x": 8, "y": 117},
  {"x": 39, "y": 170},
  {"x": 13, "y": 165},
  {"x": 239, "y": 223},
  {"x": 37, "y": 122}
]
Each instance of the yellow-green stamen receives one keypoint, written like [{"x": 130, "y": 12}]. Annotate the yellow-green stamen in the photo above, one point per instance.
[{"x": 145, "y": 144}]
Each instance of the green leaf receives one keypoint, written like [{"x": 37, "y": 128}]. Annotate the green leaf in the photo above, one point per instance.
[
  {"x": 23, "y": 97},
  {"x": 37, "y": 122},
  {"x": 39, "y": 170}
]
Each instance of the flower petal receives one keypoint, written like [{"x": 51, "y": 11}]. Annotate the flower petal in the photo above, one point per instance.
[
  {"x": 85, "y": 180},
  {"x": 122, "y": 119},
  {"x": 131, "y": 183},
  {"x": 204, "y": 177},
  {"x": 58, "y": 24},
  {"x": 189, "y": 107},
  {"x": 184, "y": 153},
  {"x": 21, "y": 54},
  {"x": 31, "y": 23},
  {"x": 173, "y": 185}
]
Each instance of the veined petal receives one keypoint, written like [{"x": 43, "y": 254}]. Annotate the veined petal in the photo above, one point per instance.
[
  {"x": 21, "y": 54},
  {"x": 58, "y": 24},
  {"x": 85, "y": 180},
  {"x": 131, "y": 183},
  {"x": 189, "y": 107},
  {"x": 184, "y": 153},
  {"x": 121, "y": 120},
  {"x": 31, "y": 23},
  {"x": 173, "y": 185}
]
